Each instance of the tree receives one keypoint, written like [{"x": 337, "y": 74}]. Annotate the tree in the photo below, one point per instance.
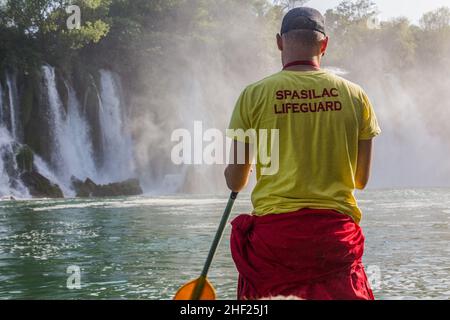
[
  {"x": 433, "y": 38},
  {"x": 397, "y": 41},
  {"x": 45, "y": 20},
  {"x": 349, "y": 31},
  {"x": 438, "y": 19},
  {"x": 290, "y": 4}
]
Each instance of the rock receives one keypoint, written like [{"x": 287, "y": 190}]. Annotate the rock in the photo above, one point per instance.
[
  {"x": 7, "y": 198},
  {"x": 83, "y": 189},
  {"x": 24, "y": 158},
  {"x": 129, "y": 187},
  {"x": 37, "y": 132},
  {"x": 62, "y": 88},
  {"x": 39, "y": 186},
  {"x": 89, "y": 188}
]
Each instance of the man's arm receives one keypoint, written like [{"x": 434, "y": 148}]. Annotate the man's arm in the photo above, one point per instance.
[
  {"x": 236, "y": 174},
  {"x": 364, "y": 163}
]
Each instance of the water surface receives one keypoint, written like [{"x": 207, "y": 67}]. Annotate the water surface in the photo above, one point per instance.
[{"x": 146, "y": 247}]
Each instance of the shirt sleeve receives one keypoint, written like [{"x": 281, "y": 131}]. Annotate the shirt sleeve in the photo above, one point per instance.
[
  {"x": 240, "y": 118},
  {"x": 369, "y": 127}
]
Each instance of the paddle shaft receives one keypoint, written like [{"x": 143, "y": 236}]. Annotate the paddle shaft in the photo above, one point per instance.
[{"x": 226, "y": 214}]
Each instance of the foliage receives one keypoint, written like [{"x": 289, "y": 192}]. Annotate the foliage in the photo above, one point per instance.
[
  {"x": 120, "y": 34},
  {"x": 33, "y": 31},
  {"x": 397, "y": 43},
  {"x": 436, "y": 20}
]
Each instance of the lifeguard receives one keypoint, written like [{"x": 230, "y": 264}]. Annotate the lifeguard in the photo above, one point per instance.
[{"x": 303, "y": 237}]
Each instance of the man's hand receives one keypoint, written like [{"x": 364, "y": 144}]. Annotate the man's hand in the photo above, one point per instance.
[
  {"x": 364, "y": 163},
  {"x": 237, "y": 174}
]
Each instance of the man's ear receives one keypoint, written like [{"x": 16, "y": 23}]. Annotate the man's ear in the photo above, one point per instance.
[
  {"x": 279, "y": 42},
  {"x": 324, "y": 46}
]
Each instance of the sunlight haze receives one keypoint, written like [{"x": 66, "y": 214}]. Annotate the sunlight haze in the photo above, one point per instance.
[{"x": 391, "y": 8}]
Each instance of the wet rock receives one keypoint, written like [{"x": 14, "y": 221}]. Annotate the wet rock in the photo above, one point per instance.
[
  {"x": 24, "y": 158},
  {"x": 7, "y": 198},
  {"x": 89, "y": 188},
  {"x": 83, "y": 189},
  {"x": 39, "y": 186},
  {"x": 129, "y": 187}
]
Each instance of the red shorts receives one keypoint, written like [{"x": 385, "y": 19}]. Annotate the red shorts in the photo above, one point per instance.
[{"x": 311, "y": 254}]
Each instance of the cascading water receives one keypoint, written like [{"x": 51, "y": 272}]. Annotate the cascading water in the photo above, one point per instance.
[
  {"x": 118, "y": 160},
  {"x": 72, "y": 147},
  {"x": 4, "y": 177},
  {"x": 70, "y": 139},
  {"x": 12, "y": 97},
  {"x": 10, "y": 184},
  {"x": 43, "y": 168},
  {"x": 1, "y": 103},
  {"x": 55, "y": 115},
  {"x": 77, "y": 131}
]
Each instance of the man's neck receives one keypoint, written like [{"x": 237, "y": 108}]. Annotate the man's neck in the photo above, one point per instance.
[{"x": 314, "y": 60}]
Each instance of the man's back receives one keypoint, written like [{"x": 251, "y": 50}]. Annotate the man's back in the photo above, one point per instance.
[
  {"x": 320, "y": 118},
  {"x": 303, "y": 238}
]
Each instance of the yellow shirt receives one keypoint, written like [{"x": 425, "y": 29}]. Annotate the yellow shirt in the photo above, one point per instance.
[{"x": 320, "y": 118}]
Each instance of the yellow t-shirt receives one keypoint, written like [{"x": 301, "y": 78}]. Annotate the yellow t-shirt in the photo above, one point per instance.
[{"x": 320, "y": 118}]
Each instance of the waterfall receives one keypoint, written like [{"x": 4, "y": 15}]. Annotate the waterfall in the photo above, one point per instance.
[
  {"x": 43, "y": 168},
  {"x": 4, "y": 176},
  {"x": 1, "y": 104},
  {"x": 10, "y": 184},
  {"x": 12, "y": 96},
  {"x": 82, "y": 165},
  {"x": 72, "y": 147},
  {"x": 69, "y": 135},
  {"x": 118, "y": 161},
  {"x": 55, "y": 108}
]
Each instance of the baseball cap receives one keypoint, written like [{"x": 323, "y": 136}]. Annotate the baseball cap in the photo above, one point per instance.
[{"x": 303, "y": 18}]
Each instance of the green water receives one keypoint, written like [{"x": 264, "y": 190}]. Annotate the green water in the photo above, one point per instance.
[{"x": 146, "y": 247}]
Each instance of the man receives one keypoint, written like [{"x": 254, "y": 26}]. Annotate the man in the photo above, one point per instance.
[{"x": 303, "y": 237}]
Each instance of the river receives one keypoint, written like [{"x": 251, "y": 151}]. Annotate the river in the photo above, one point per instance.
[{"x": 146, "y": 247}]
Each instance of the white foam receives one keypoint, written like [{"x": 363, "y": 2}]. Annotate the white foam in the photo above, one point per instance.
[
  {"x": 71, "y": 206},
  {"x": 134, "y": 203}
]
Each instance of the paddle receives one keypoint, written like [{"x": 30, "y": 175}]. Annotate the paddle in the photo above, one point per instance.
[{"x": 201, "y": 288}]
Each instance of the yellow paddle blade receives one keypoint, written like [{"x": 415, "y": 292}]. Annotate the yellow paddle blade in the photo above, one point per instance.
[{"x": 186, "y": 292}]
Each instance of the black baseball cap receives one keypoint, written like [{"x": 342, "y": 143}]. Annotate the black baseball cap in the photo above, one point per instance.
[{"x": 303, "y": 18}]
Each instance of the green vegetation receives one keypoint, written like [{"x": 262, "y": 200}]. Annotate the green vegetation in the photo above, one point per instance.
[
  {"x": 151, "y": 43},
  {"x": 33, "y": 31},
  {"x": 123, "y": 32},
  {"x": 398, "y": 43},
  {"x": 186, "y": 60}
]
